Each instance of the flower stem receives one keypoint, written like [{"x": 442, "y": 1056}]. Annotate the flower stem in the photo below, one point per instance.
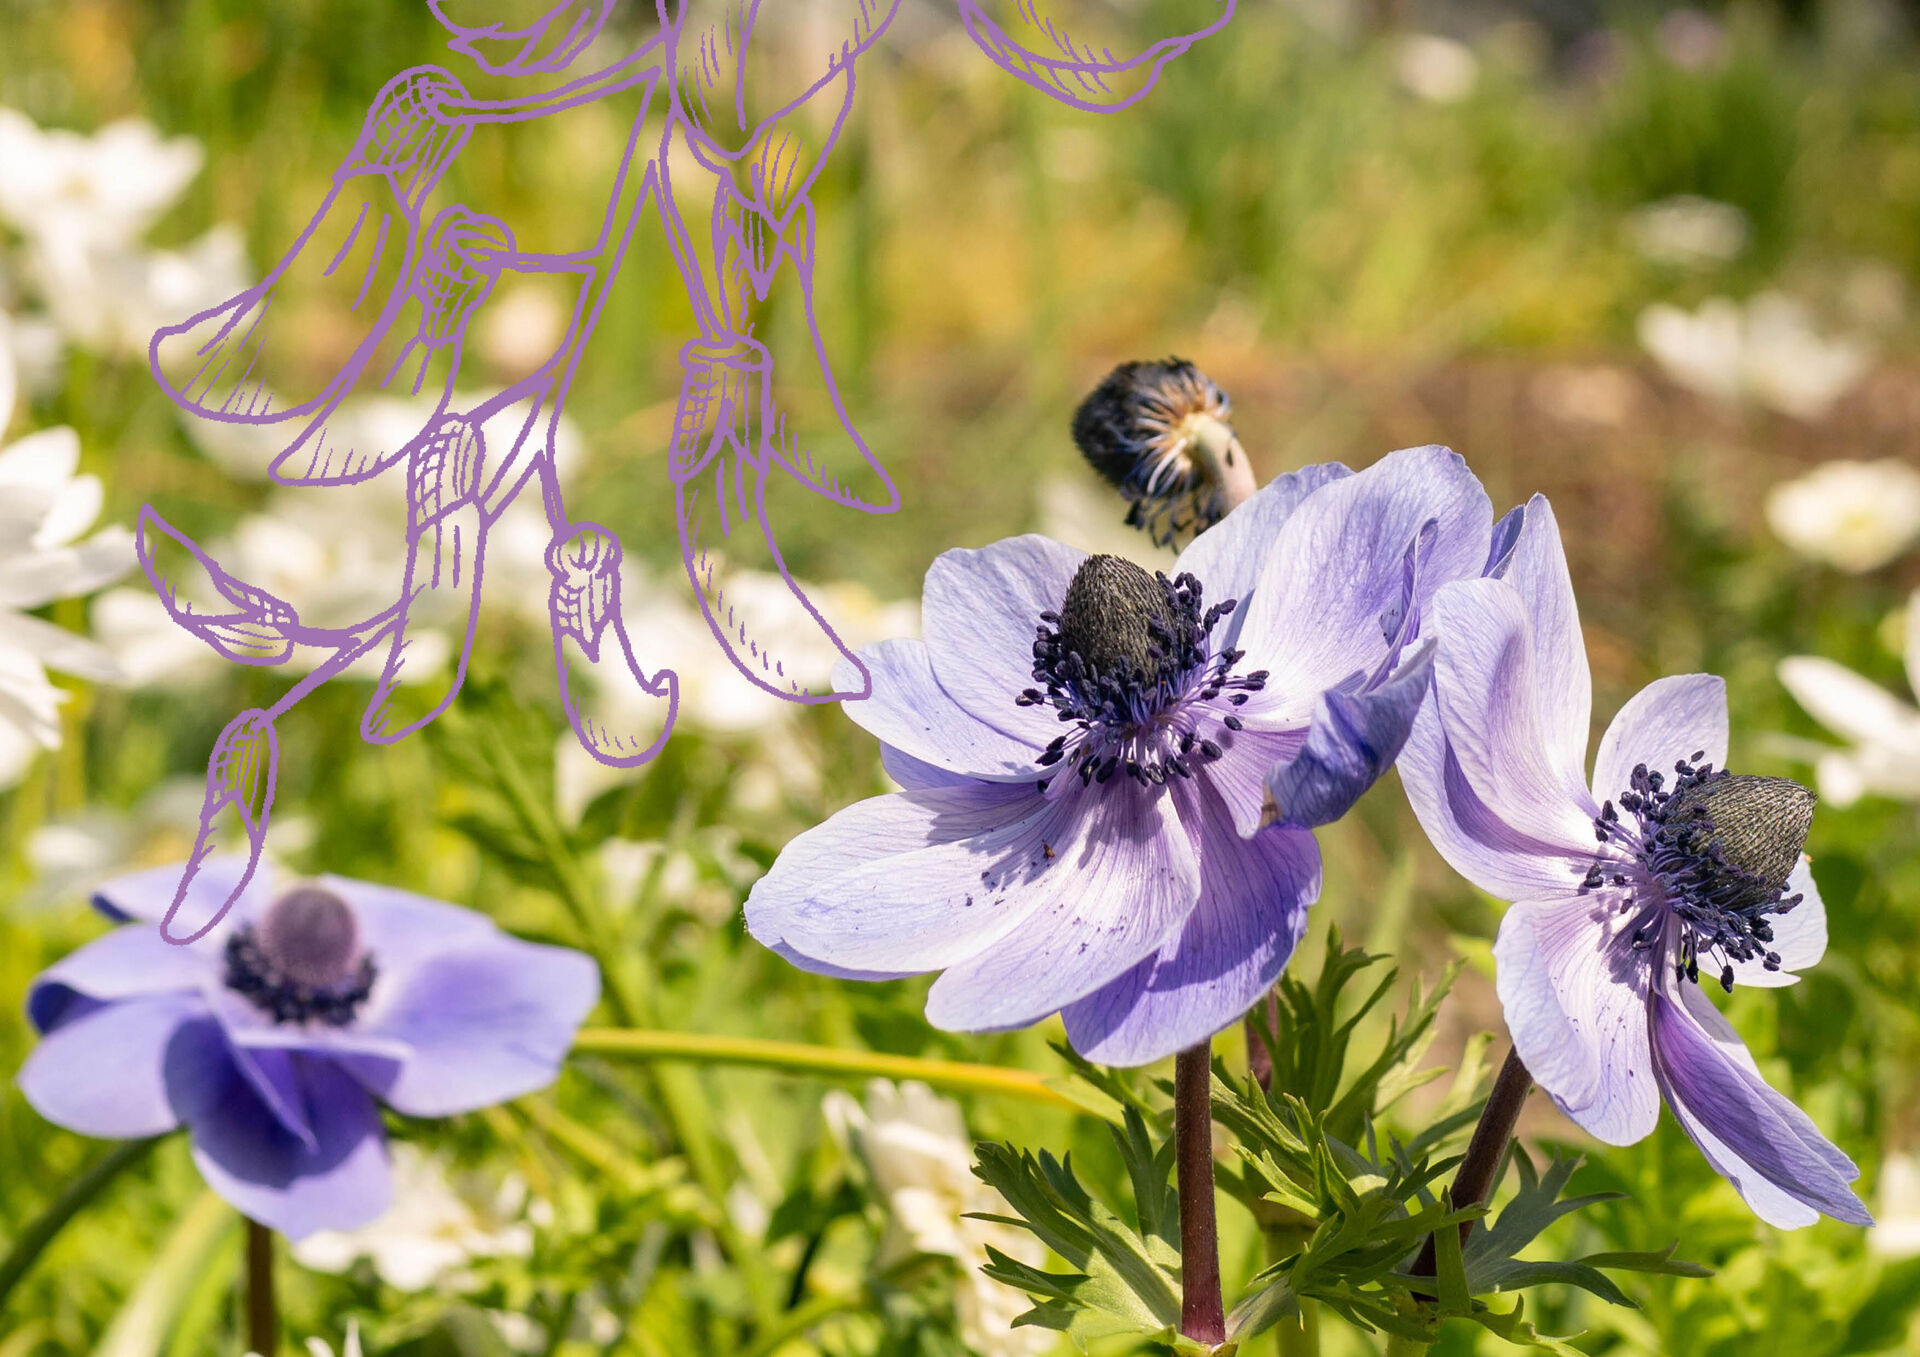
[
  {"x": 1203, "y": 1316},
  {"x": 32, "y": 1241},
  {"x": 1259, "y": 1058},
  {"x": 1486, "y": 1150},
  {"x": 263, "y": 1314},
  {"x": 797, "y": 1058}
]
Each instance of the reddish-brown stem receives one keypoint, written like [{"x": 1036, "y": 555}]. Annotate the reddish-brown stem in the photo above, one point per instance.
[
  {"x": 1486, "y": 1150},
  {"x": 263, "y": 1315},
  {"x": 1259, "y": 1058},
  {"x": 1203, "y": 1316}
]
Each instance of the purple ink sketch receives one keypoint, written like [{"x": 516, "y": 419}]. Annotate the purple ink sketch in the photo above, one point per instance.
[{"x": 411, "y": 273}]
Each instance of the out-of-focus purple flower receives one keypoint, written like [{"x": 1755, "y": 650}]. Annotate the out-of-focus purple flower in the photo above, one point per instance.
[
  {"x": 1625, "y": 895},
  {"x": 273, "y": 1038},
  {"x": 1111, "y": 776}
]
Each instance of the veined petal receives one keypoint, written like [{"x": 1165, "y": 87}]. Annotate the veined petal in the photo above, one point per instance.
[
  {"x": 106, "y": 1073},
  {"x": 1574, "y": 988},
  {"x": 1337, "y": 575},
  {"x": 1252, "y": 911},
  {"x": 1101, "y": 898},
  {"x": 1241, "y": 777},
  {"x": 1770, "y": 1150},
  {"x": 1228, "y": 557},
  {"x": 913, "y": 881},
  {"x": 909, "y": 710},
  {"x": 1668, "y": 720},
  {"x": 1487, "y": 689},
  {"x": 1353, "y": 739},
  {"x": 146, "y": 896},
  {"x": 1799, "y": 935},
  {"x": 1537, "y": 567},
  {"x": 979, "y": 614}
]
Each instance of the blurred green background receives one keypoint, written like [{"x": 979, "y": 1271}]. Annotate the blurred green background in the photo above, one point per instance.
[{"x": 1375, "y": 224}]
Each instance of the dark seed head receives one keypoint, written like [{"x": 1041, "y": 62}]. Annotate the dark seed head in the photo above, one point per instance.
[
  {"x": 1111, "y": 613},
  {"x": 1758, "y": 826},
  {"x": 1160, "y": 433}
]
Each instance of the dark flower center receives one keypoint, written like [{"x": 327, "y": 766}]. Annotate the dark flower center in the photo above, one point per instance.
[
  {"x": 302, "y": 962},
  {"x": 1721, "y": 847},
  {"x": 1128, "y": 662},
  {"x": 1160, "y": 433}
]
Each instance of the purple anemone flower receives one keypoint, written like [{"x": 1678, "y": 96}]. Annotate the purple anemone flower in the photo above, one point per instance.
[
  {"x": 1110, "y": 776},
  {"x": 273, "y": 1038},
  {"x": 1631, "y": 894}
]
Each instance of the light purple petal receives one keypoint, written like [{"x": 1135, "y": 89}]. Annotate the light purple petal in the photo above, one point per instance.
[
  {"x": 146, "y": 896},
  {"x": 1537, "y": 567},
  {"x": 1668, "y": 720},
  {"x": 1228, "y": 557},
  {"x": 1337, "y": 574},
  {"x": 1755, "y": 1137},
  {"x": 1476, "y": 843},
  {"x": 979, "y": 614},
  {"x": 487, "y": 1020},
  {"x": 126, "y": 963},
  {"x": 909, "y": 710},
  {"x": 401, "y": 930},
  {"x": 913, "y": 775},
  {"x": 1101, "y": 898},
  {"x": 1492, "y": 708},
  {"x": 1241, "y": 776},
  {"x": 1352, "y": 742},
  {"x": 914, "y": 881},
  {"x": 1799, "y": 935},
  {"x": 1574, "y": 988},
  {"x": 105, "y": 1074},
  {"x": 274, "y": 1075},
  {"x": 1252, "y": 911},
  {"x": 265, "y": 1171}
]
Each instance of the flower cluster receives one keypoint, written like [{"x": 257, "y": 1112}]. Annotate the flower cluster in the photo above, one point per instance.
[{"x": 1110, "y": 780}]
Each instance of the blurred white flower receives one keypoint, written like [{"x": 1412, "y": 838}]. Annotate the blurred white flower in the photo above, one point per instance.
[
  {"x": 522, "y": 328},
  {"x": 915, "y": 1145},
  {"x": 1882, "y": 757},
  {"x": 1436, "y": 69},
  {"x": 669, "y": 632},
  {"x": 83, "y": 202},
  {"x": 1856, "y": 516},
  {"x": 319, "y": 1347},
  {"x": 338, "y": 553},
  {"x": 1087, "y": 514},
  {"x": 67, "y": 190},
  {"x": 1766, "y": 352},
  {"x": 1896, "y": 1229},
  {"x": 46, "y": 509},
  {"x": 431, "y": 1230},
  {"x": 1688, "y": 230}
]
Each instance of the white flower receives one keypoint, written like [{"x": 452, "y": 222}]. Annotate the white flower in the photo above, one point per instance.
[
  {"x": 338, "y": 553},
  {"x": 1436, "y": 69},
  {"x": 1896, "y": 1231},
  {"x": 1883, "y": 731},
  {"x": 915, "y": 1145},
  {"x": 45, "y": 512},
  {"x": 1688, "y": 230},
  {"x": 669, "y": 632},
  {"x": 319, "y": 1347},
  {"x": 1766, "y": 352},
  {"x": 1087, "y": 514},
  {"x": 1857, "y": 516},
  {"x": 430, "y": 1231},
  {"x": 83, "y": 203},
  {"x": 71, "y": 191}
]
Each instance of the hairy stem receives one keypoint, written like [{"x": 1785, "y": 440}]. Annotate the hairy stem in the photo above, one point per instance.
[
  {"x": 1487, "y": 1149},
  {"x": 1203, "y": 1316},
  {"x": 263, "y": 1314}
]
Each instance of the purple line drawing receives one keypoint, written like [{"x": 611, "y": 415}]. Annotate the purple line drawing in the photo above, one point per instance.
[{"x": 412, "y": 282}]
